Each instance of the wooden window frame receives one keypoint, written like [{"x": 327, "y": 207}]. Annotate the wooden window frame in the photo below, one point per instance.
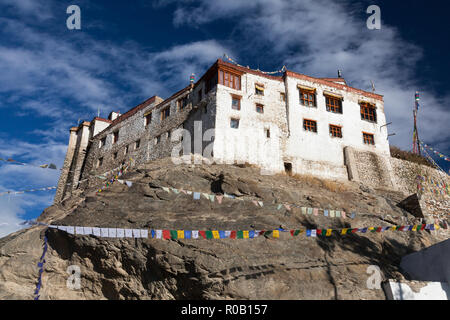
[
  {"x": 236, "y": 119},
  {"x": 368, "y": 112},
  {"x": 304, "y": 101},
  {"x": 229, "y": 78},
  {"x": 332, "y": 107},
  {"x": 307, "y": 124},
  {"x": 335, "y": 131},
  {"x": 163, "y": 113},
  {"x": 235, "y": 97},
  {"x": 368, "y": 138},
  {"x": 260, "y": 106}
]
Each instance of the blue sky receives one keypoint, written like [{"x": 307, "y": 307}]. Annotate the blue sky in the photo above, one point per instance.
[{"x": 125, "y": 52}]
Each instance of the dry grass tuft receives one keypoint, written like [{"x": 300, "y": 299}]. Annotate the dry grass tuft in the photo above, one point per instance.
[{"x": 313, "y": 181}]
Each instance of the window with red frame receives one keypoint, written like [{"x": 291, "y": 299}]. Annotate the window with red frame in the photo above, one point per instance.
[
  {"x": 368, "y": 112},
  {"x": 333, "y": 104},
  {"x": 368, "y": 138},
  {"x": 230, "y": 80},
  {"x": 310, "y": 125},
  {"x": 335, "y": 131},
  {"x": 307, "y": 98}
]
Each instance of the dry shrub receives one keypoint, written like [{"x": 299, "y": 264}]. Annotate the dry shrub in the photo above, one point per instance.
[
  {"x": 409, "y": 156},
  {"x": 313, "y": 181}
]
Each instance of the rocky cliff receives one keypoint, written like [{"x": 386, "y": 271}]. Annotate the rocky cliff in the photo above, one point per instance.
[{"x": 334, "y": 267}]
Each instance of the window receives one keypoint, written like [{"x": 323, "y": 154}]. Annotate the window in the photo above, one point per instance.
[
  {"x": 310, "y": 125},
  {"x": 334, "y": 104},
  {"x": 259, "y": 108},
  {"x": 158, "y": 139},
  {"x": 236, "y": 103},
  {"x": 137, "y": 144},
  {"x": 368, "y": 112},
  {"x": 283, "y": 96},
  {"x": 126, "y": 149},
  {"x": 102, "y": 142},
  {"x": 148, "y": 119},
  {"x": 308, "y": 97},
  {"x": 335, "y": 131},
  {"x": 211, "y": 83},
  {"x": 259, "y": 89},
  {"x": 99, "y": 162},
  {"x": 115, "y": 155},
  {"x": 230, "y": 80},
  {"x": 115, "y": 137},
  {"x": 165, "y": 113},
  {"x": 267, "y": 131},
  {"x": 182, "y": 103},
  {"x": 234, "y": 123},
  {"x": 368, "y": 138},
  {"x": 200, "y": 95}
]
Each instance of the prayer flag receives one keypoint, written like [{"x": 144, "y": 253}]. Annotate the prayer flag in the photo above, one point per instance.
[
  {"x": 344, "y": 231},
  {"x": 112, "y": 232},
  {"x": 245, "y": 234},
  {"x": 216, "y": 234},
  {"x": 338, "y": 214},
  {"x": 96, "y": 232},
  {"x": 313, "y": 233},
  {"x": 202, "y": 233},
  {"x": 219, "y": 199},
  {"x": 329, "y": 232},
  {"x": 316, "y": 211},
  {"x": 194, "y": 234},
  {"x": 310, "y": 210},
  {"x": 120, "y": 233},
  {"x": 279, "y": 206},
  {"x": 104, "y": 232},
  {"x": 233, "y": 234},
  {"x": 343, "y": 214},
  {"x": 261, "y": 203},
  {"x": 325, "y": 213},
  {"x": 173, "y": 234},
  {"x": 187, "y": 234},
  {"x": 222, "y": 234},
  {"x": 308, "y": 233},
  {"x": 209, "y": 234},
  {"x": 268, "y": 233},
  {"x": 166, "y": 234},
  {"x": 227, "y": 234},
  {"x": 331, "y": 213},
  {"x": 196, "y": 195},
  {"x": 166, "y": 189},
  {"x": 180, "y": 234},
  {"x": 128, "y": 233},
  {"x": 303, "y": 210},
  {"x": 79, "y": 230},
  {"x": 255, "y": 202},
  {"x": 136, "y": 233},
  {"x": 251, "y": 234},
  {"x": 211, "y": 197},
  {"x": 276, "y": 233},
  {"x": 87, "y": 230},
  {"x": 288, "y": 207}
]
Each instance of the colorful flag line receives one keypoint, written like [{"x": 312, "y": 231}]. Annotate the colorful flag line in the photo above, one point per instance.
[
  {"x": 41, "y": 269},
  {"x": 442, "y": 156},
  {"x": 30, "y": 190},
  {"x": 441, "y": 185},
  {"x": 44, "y": 166},
  {"x": 231, "y": 234}
]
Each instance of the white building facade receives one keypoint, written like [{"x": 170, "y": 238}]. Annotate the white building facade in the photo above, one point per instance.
[{"x": 293, "y": 123}]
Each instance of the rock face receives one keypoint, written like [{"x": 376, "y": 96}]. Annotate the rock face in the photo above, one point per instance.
[{"x": 300, "y": 267}]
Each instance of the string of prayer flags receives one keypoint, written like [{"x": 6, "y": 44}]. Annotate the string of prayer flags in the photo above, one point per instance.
[
  {"x": 43, "y": 166},
  {"x": 442, "y": 156},
  {"x": 41, "y": 268},
  {"x": 28, "y": 190}
]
